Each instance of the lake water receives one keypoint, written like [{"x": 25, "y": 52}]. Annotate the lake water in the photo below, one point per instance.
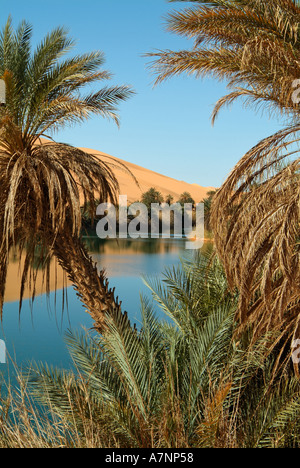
[{"x": 38, "y": 333}]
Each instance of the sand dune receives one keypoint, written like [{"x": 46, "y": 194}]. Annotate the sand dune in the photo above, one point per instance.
[{"x": 147, "y": 179}]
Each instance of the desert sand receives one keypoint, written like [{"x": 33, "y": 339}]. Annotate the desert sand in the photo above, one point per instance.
[{"x": 147, "y": 179}]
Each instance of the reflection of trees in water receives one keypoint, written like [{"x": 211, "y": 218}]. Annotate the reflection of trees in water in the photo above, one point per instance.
[
  {"x": 102, "y": 246},
  {"x": 147, "y": 246}
]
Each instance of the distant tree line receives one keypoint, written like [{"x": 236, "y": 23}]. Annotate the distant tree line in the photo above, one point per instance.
[{"x": 152, "y": 196}]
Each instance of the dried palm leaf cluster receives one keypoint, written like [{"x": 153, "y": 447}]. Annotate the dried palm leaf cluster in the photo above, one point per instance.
[
  {"x": 255, "y": 46},
  {"x": 41, "y": 184}
]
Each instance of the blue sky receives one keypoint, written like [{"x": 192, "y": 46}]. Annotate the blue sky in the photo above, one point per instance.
[{"x": 167, "y": 128}]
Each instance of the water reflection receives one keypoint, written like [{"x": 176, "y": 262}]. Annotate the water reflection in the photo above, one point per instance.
[
  {"x": 57, "y": 277},
  {"x": 134, "y": 246},
  {"x": 119, "y": 257},
  {"x": 130, "y": 257}
]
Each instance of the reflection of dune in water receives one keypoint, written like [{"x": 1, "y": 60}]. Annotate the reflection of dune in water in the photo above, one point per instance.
[
  {"x": 131, "y": 257},
  {"x": 118, "y": 258},
  {"x": 58, "y": 280}
]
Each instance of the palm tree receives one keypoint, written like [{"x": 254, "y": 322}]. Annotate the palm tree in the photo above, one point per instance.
[
  {"x": 255, "y": 46},
  {"x": 41, "y": 184},
  {"x": 169, "y": 199},
  {"x": 207, "y": 208},
  {"x": 186, "y": 197},
  {"x": 151, "y": 196}
]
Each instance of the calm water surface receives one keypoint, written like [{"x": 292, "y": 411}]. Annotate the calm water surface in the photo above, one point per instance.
[{"x": 38, "y": 333}]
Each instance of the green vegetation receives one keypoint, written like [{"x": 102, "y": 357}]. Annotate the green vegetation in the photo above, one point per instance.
[
  {"x": 207, "y": 209},
  {"x": 215, "y": 371},
  {"x": 148, "y": 198},
  {"x": 186, "y": 197},
  {"x": 169, "y": 199},
  {"x": 151, "y": 196},
  {"x": 190, "y": 379}
]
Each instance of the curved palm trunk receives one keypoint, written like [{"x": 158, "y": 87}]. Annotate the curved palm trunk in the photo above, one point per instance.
[{"x": 91, "y": 286}]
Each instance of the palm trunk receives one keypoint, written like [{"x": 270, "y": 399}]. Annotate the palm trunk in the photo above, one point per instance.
[{"x": 91, "y": 286}]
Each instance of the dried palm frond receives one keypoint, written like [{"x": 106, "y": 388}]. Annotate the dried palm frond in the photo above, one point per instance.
[{"x": 255, "y": 46}]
